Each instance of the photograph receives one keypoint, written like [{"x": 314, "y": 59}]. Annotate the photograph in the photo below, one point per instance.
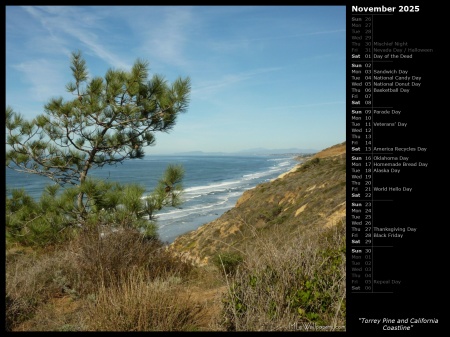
[{"x": 185, "y": 168}]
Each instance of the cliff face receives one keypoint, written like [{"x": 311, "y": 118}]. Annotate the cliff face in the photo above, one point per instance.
[{"x": 310, "y": 195}]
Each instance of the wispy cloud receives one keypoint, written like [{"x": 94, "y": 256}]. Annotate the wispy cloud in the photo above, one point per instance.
[
  {"x": 165, "y": 41},
  {"x": 61, "y": 28},
  {"x": 44, "y": 78},
  {"x": 67, "y": 23},
  {"x": 228, "y": 80}
]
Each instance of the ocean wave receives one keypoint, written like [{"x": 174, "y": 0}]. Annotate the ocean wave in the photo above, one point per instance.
[
  {"x": 210, "y": 187},
  {"x": 284, "y": 163},
  {"x": 190, "y": 211}
]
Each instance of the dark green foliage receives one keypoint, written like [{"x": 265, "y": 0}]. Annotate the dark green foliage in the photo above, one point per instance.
[
  {"x": 47, "y": 221},
  {"x": 271, "y": 213},
  {"x": 310, "y": 163},
  {"x": 227, "y": 261},
  {"x": 55, "y": 217}
]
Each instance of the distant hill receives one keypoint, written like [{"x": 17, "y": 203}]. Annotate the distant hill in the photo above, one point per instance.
[
  {"x": 310, "y": 196},
  {"x": 255, "y": 151},
  {"x": 261, "y": 150}
]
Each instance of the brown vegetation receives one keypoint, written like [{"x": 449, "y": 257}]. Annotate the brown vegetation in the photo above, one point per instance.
[{"x": 274, "y": 262}]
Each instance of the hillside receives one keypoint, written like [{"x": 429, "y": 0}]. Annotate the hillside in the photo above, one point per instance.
[
  {"x": 274, "y": 262},
  {"x": 310, "y": 196}
]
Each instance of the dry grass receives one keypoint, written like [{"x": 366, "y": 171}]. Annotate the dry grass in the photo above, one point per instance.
[
  {"x": 133, "y": 303},
  {"x": 117, "y": 283},
  {"x": 281, "y": 287},
  {"x": 32, "y": 279},
  {"x": 128, "y": 284}
]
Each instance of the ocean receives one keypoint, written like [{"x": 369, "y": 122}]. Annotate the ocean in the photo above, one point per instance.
[{"x": 212, "y": 184}]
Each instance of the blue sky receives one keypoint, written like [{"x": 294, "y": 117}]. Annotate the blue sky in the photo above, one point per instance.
[{"x": 271, "y": 77}]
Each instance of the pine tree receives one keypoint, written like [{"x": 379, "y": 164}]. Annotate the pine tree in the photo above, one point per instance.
[{"x": 109, "y": 120}]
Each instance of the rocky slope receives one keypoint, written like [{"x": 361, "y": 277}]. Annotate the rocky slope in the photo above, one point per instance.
[{"x": 310, "y": 195}]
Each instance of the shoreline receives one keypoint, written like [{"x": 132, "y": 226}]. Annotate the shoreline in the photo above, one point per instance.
[
  {"x": 199, "y": 223},
  {"x": 295, "y": 168}
]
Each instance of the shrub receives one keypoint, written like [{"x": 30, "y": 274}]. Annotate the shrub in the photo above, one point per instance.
[
  {"x": 31, "y": 280},
  {"x": 227, "y": 261},
  {"x": 104, "y": 259},
  {"x": 279, "y": 284}
]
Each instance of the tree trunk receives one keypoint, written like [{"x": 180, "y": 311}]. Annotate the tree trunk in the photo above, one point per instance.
[{"x": 81, "y": 194}]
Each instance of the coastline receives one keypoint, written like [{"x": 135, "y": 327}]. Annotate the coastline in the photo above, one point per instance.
[
  {"x": 169, "y": 234},
  {"x": 295, "y": 168}
]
